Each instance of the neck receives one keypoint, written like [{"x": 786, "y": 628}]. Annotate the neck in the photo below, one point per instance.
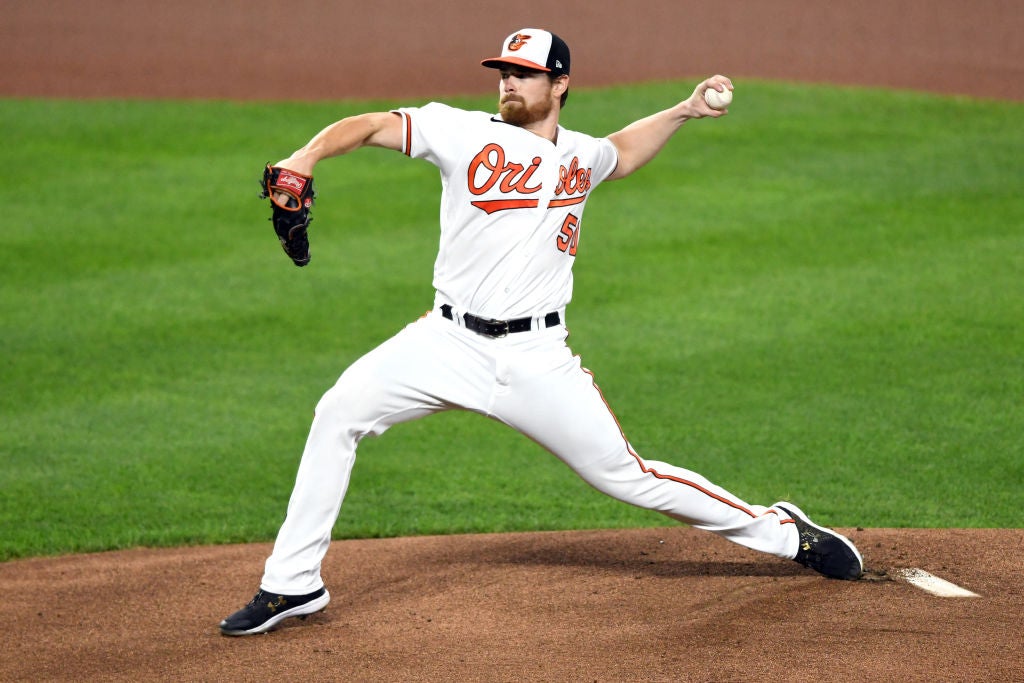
[{"x": 546, "y": 128}]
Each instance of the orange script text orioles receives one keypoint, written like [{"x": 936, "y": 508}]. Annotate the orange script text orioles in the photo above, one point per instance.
[{"x": 490, "y": 168}]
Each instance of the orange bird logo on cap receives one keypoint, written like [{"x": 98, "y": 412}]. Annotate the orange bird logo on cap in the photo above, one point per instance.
[{"x": 518, "y": 41}]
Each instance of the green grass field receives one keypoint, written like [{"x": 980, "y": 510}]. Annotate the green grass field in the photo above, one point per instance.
[{"x": 819, "y": 297}]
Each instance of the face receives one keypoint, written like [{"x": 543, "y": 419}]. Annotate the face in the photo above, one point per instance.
[{"x": 525, "y": 96}]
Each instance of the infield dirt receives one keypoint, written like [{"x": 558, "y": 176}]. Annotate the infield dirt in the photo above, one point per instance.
[{"x": 644, "y": 605}]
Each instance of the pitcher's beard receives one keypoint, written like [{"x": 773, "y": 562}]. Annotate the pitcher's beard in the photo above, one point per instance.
[{"x": 516, "y": 112}]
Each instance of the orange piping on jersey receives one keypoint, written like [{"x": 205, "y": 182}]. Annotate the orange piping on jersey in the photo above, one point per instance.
[
  {"x": 491, "y": 205},
  {"x": 555, "y": 203},
  {"x": 408, "y": 134},
  {"x": 650, "y": 470},
  {"x": 788, "y": 520}
]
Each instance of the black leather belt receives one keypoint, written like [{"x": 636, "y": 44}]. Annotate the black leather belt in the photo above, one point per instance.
[{"x": 499, "y": 328}]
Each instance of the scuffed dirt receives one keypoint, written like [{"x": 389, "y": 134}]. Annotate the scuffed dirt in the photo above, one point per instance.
[{"x": 670, "y": 604}]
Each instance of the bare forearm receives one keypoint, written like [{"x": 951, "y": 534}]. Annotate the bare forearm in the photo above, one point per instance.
[
  {"x": 344, "y": 136},
  {"x": 640, "y": 141}
]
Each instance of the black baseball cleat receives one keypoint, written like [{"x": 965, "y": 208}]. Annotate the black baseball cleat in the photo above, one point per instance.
[
  {"x": 823, "y": 550},
  {"x": 267, "y": 610}
]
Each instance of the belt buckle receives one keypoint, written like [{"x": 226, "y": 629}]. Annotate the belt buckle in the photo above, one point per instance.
[{"x": 497, "y": 328}]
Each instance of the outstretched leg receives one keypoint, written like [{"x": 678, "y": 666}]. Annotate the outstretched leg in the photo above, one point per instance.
[{"x": 561, "y": 408}]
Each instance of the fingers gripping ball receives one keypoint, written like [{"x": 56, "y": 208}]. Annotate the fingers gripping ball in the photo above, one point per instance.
[
  {"x": 291, "y": 198},
  {"x": 718, "y": 100}
]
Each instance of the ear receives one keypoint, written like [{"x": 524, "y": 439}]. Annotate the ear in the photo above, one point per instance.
[{"x": 559, "y": 86}]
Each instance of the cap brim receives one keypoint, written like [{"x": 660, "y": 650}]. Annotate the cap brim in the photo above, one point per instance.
[{"x": 498, "y": 62}]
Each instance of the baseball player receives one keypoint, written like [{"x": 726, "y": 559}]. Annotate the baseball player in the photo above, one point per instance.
[{"x": 514, "y": 188}]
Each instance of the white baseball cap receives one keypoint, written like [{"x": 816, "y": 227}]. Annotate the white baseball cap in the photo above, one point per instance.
[{"x": 533, "y": 48}]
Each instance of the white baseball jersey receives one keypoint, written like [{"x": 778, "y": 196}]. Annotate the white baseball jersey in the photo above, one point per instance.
[{"x": 511, "y": 208}]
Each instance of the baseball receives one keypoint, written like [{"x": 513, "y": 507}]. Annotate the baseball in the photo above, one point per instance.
[{"x": 717, "y": 100}]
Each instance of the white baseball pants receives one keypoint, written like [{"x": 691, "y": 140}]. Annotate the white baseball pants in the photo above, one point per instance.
[{"x": 530, "y": 381}]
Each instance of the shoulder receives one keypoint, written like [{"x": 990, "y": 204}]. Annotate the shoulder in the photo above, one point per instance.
[
  {"x": 436, "y": 120},
  {"x": 597, "y": 154},
  {"x": 578, "y": 137},
  {"x": 441, "y": 133},
  {"x": 574, "y": 139},
  {"x": 439, "y": 110}
]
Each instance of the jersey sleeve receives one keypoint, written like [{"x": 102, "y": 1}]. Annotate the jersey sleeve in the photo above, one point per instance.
[
  {"x": 431, "y": 131},
  {"x": 606, "y": 159}
]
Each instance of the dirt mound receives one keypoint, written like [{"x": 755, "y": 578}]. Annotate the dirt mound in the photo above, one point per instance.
[{"x": 639, "y": 605}]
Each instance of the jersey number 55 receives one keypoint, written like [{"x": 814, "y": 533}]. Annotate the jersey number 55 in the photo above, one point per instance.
[{"x": 569, "y": 236}]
